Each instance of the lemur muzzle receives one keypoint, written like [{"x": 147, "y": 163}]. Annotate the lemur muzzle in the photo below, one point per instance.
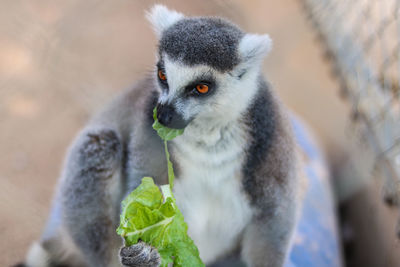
[{"x": 167, "y": 116}]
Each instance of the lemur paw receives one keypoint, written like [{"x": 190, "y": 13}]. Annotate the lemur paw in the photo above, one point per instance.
[
  {"x": 140, "y": 254},
  {"x": 100, "y": 151}
]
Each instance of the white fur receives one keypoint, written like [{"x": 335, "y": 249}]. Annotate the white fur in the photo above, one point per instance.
[
  {"x": 253, "y": 48},
  {"x": 162, "y": 18},
  {"x": 230, "y": 100},
  {"x": 37, "y": 256},
  {"x": 65, "y": 252},
  {"x": 208, "y": 189}
]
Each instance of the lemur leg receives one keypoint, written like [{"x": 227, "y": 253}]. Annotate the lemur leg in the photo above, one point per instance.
[
  {"x": 91, "y": 194},
  {"x": 266, "y": 242}
]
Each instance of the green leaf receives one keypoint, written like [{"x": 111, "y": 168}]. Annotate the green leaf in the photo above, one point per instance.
[{"x": 153, "y": 217}]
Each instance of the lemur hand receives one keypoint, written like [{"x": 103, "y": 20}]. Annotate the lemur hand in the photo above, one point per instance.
[{"x": 140, "y": 255}]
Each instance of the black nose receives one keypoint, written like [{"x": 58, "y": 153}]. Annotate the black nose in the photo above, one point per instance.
[{"x": 165, "y": 114}]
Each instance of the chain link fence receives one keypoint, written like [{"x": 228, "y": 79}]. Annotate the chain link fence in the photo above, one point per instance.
[{"x": 362, "y": 40}]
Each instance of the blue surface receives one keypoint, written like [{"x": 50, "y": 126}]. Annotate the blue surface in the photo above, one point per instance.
[{"x": 316, "y": 240}]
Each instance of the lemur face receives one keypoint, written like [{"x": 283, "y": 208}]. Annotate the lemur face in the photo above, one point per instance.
[
  {"x": 206, "y": 67},
  {"x": 186, "y": 91}
]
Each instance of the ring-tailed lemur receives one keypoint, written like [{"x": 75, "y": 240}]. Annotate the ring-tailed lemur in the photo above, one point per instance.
[{"x": 236, "y": 172}]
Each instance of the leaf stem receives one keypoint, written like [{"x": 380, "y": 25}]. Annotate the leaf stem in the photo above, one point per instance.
[
  {"x": 171, "y": 175},
  {"x": 166, "y": 191}
]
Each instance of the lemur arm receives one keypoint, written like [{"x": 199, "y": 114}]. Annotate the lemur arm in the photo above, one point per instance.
[
  {"x": 89, "y": 193},
  {"x": 101, "y": 174},
  {"x": 85, "y": 214},
  {"x": 266, "y": 240},
  {"x": 271, "y": 180},
  {"x": 91, "y": 196},
  {"x": 93, "y": 180}
]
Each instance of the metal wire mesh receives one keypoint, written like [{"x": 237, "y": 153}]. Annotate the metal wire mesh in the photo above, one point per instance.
[{"x": 362, "y": 38}]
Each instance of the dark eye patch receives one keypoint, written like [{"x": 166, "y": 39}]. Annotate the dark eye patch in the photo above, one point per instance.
[
  {"x": 163, "y": 83},
  {"x": 190, "y": 88}
]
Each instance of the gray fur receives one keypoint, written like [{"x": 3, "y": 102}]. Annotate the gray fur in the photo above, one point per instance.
[
  {"x": 84, "y": 203},
  {"x": 208, "y": 41},
  {"x": 140, "y": 254},
  {"x": 118, "y": 147},
  {"x": 96, "y": 161},
  {"x": 270, "y": 181},
  {"x": 261, "y": 119}
]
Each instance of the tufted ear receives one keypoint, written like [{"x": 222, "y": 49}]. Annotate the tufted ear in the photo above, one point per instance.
[
  {"x": 161, "y": 18},
  {"x": 253, "y": 48}
]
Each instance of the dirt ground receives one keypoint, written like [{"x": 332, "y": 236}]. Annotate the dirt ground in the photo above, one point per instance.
[{"x": 60, "y": 61}]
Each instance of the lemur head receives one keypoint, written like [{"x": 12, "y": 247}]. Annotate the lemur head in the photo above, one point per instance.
[{"x": 207, "y": 68}]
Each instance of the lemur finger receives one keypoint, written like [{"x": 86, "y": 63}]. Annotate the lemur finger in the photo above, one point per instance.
[{"x": 140, "y": 255}]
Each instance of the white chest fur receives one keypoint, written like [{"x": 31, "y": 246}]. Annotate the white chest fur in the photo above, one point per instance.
[{"x": 208, "y": 189}]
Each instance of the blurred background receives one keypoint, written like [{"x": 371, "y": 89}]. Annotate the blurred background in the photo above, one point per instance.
[{"x": 334, "y": 62}]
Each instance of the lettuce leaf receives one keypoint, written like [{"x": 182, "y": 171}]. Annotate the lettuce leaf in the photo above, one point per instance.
[{"x": 152, "y": 216}]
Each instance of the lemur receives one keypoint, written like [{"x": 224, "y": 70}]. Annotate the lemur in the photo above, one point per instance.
[{"x": 235, "y": 163}]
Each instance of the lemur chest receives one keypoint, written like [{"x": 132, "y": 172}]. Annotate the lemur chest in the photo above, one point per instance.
[{"x": 210, "y": 196}]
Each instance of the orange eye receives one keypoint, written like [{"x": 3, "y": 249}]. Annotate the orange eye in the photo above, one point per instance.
[
  {"x": 161, "y": 75},
  {"x": 202, "y": 88}
]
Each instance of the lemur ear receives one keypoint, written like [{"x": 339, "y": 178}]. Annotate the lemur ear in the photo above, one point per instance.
[
  {"x": 161, "y": 18},
  {"x": 253, "y": 48}
]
